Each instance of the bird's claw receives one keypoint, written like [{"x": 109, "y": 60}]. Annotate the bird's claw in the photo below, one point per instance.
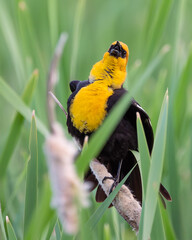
[{"x": 115, "y": 183}]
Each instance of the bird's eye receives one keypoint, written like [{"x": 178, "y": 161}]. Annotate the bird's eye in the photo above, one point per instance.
[{"x": 124, "y": 54}]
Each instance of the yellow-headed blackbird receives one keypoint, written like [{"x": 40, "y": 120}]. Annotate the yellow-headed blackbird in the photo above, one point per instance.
[{"x": 89, "y": 104}]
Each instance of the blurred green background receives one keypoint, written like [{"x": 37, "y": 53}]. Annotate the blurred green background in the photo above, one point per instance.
[{"x": 29, "y": 31}]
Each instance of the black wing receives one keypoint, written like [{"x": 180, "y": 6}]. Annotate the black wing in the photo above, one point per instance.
[
  {"x": 131, "y": 115},
  {"x": 135, "y": 107},
  {"x": 134, "y": 181},
  {"x": 150, "y": 139}
]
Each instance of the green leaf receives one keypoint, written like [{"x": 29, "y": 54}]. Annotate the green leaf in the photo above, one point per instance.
[
  {"x": 78, "y": 17},
  {"x": 107, "y": 232},
  {"x": 42, "y": 216},
  {"x": 31, "y": 195},
  {"x": 102, "y": 134},
  {"x": 158, "y": 28},
  {"x": 9, "y": 33},
  {"x": 95, "y": 218},
  {"x": 151, "y": 13},
  {"x": 2, "y": 227},
  {"x": 16, "y": 126},
  {"x": 11, "y": 97},
  {"x": 10, "y": 230},
  {"x": 143, "y": 158},
  {"x": 155, "y": 170},
  {"x": 53, "y": 21},
  {"x": 172, "y": 148},
  {"x": 144, "y": 162},
  {"x": 19, "y": 180},
  {"x": 116, "y": 225},
  {"x": 51, "y": 227},
  {"x": 180, "y": 103},
  {"x": 57, "y": 231},
  {"x": 158, "y": 231},
  {"x": 169, "y": 231}
]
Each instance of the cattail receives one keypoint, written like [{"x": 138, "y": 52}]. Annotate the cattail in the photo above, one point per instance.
[
  {"x": 68, "y": 191},
  {"x": 125, "y": 203}
]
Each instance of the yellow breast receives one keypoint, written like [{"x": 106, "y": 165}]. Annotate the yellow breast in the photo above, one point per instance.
[{"x": 88, "y": 108}]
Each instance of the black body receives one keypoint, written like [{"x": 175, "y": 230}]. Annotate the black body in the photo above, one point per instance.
[{"x": 121, "y": 141}]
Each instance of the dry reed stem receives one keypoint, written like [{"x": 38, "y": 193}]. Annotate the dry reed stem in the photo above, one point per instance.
[{"x": 125, "y": 203}]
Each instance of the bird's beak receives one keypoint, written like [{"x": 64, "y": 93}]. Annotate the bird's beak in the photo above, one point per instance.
[
  {"x": 115, "y": 50},
  {"x": 114, "y": 53}
]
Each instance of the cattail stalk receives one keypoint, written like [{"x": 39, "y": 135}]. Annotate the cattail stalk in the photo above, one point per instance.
[{"x": 125, "y": 203}]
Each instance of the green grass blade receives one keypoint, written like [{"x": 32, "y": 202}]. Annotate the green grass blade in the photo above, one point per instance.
[
  {"x": 169, "y": 232},
  {"x": 16, "y": 126},
  {"x": 151, "y": 14},
  {"x": 31, "y": 195},
  {"x": 9, "y": 33},
  {"x": 107, "y": 232},
  {"x": 171, "y": 148},
  {"x": 53, "y": 21},
  {"x": 95, "y": 218},
  {"x": 116, "y": 225},
  {"x": 190, "y": 153},
  {"x": 158, "y": 231},
  {"x": 181, "y": 96},
  {"x": 43, "y": 215},
  {"x": 155, "y": 170},
  {"x": 10, "y": 230},
  {"x": 66, "y": 236},
  {"x": 158, "y": 93},
  {"x": 158, "y": 26},
  {"x": 2, "y": 227},
  {"x": 11, "y": 97},
  {"x": 29, "y": 40},
  {"x": 76, "y": 36},
  {"x": 51, "y": 227},
  {"x": 13, "y": 195},
  {"x": 100, "y": 137},
  {"x": 144, "y": 162},
  {"x": 57, "y": 231},
  {"x": 144, "y": 155},
  {"x": 177, "y": 36}
]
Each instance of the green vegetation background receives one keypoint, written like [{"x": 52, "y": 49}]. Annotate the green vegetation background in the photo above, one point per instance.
[{"x": 29, "y": 31}]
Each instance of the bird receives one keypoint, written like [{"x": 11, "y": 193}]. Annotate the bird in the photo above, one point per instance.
[{"x": 90, "y": 103}]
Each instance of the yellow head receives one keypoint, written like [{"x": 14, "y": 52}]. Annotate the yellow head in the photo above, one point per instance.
[{"x": 111, "y": 70}]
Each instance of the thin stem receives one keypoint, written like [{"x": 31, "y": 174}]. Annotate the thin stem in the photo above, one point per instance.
[
  {"x": 58, "y": 102},
  {"x": 52, "y": 80}
]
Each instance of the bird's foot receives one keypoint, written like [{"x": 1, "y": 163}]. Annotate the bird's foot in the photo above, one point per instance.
[{"x": 115, "y": 183}]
